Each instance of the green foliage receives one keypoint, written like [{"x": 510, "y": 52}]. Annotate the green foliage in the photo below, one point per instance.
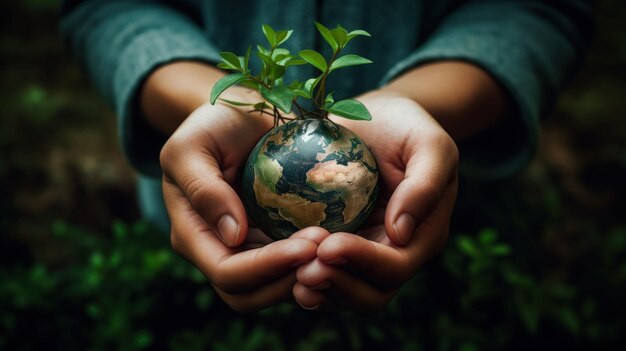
[
  {"x": 224, "y": 84},
  {"x": 275, "y": 62},
  {"x": 127, "y": 290},
  {"x": 351, "y": 109}
]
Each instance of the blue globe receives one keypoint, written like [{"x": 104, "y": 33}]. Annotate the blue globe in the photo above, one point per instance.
[{"x": 309, "y": 172}]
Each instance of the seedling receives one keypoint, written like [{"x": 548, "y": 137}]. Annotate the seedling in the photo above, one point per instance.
[
  {"x": 307, "y": 171},
  {"x": 281, "y": 98}
]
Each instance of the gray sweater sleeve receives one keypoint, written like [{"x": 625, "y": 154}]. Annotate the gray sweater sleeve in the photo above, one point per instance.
[
  {"x": 119, "y": 43},
  {"x": 530, "y": 47}
]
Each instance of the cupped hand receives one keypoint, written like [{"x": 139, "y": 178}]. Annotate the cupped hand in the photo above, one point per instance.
[
  {"x": 200, "y": 163},
  {"x": 418, "y": 164}
]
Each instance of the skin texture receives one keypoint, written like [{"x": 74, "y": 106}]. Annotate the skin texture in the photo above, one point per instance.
[{"x": 418, "y": 162}]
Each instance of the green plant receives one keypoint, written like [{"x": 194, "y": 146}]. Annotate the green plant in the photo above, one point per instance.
[
  {"x": 302, "y": 172},
  {"x": 275, "y": 61}
]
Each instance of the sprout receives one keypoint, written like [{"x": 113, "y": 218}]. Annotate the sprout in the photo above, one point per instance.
[{"x": 275, "y": 61}]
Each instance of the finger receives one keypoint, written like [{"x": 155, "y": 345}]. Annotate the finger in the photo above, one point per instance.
[
  {"x": 247, "y": 270},
  {"x": 315, "y": 234},
  {"x": 200, "y": 179},
  {"x": 430, "y": 168},
  {"x": 308, "y": 298},
  {"x": 204, "y": 163},
  {"x": 383, "y": 263},
  {"x": 265, "y": 296},
  {"x": 337, "y": 289},
  {"x": 378, "y": 263},
  {"x": 232, "y": 270}
]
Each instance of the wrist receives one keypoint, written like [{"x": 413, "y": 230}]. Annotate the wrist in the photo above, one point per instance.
[
  {"x": 175, "y": 90},
  {"x": 461, "y": 96}
]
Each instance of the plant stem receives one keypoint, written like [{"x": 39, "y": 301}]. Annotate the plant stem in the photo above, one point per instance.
[
  {"x": 260, "y": 81},
  {"x": 277, "y": 116},
  {"x": 301, "y": 111},
  {"x": 321, "y": 88}
]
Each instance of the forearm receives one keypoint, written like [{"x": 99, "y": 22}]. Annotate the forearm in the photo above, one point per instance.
[
  {"x": 462, "y": 97},
  {"x": 173, "y": 91}
]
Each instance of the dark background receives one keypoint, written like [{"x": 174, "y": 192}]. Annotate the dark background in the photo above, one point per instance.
[{"x": 537, "y": 261}]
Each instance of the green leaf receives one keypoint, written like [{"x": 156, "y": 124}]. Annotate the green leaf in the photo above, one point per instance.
[
  {"x": 296, "y": 85},
  {"x": 528, "y": 312},
  {"x": 250, "y": 83},
  {"x": 260, "y": 106},
  {"x": 302, "y": 92},
  {"x": 340, "y": 35},
  {"x": 270, "y": 34},
  {"x": 351, "y": 109},
  {"x": 314, "y": 58},
  {"x": 487, "y": 236},
  {"x": 356, "y": 33},
  {"x": 348, "y": 60},
  {"x": 298, "y": 89},
  {"x": 282, "y": 59},
  {"x": 227, "y": 66},
  {"x": 310, "y": 84},
  {"x": 467, "y": 246},
  {"x": 329, "y": 100},
  {"x": 279, "y": 53},
  {"x": 268, "y": 63},
  {"x": 236, "y": 103},
  {"x": 327, "y": 35},
  {"x": 501, "y": 250},
  {"x": 242, "y": 63},
  {"x": 282, "y": 36},
  {"x": 569, "y": 318},
  {"x": 277, "y": 72},
  {"x": 262, "y": 50},
  {"x": 280, "y": 96},
  {"x": 224, "y": 84},
  {"x": 231, "y": 59},
  {"x": 295, "y": 62}
]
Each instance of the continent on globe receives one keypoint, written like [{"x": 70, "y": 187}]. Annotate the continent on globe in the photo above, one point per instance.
[
  {"x": 353, "y": 180},
  {"x": 309, "y": 172}
]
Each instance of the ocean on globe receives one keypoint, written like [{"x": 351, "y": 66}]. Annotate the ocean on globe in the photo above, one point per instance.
[{"x": 309, "y": 172}]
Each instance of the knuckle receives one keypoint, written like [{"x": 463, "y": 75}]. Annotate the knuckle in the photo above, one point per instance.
[
  {"x": 197, "y": 191},
  {"x": 443, "y": 141},
  {"x": 169, "y": 153}
]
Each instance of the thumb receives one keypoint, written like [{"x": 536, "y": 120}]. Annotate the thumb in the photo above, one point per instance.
[
  {"x": 426, "y": 178},
  {"x": 200, "y": 179}
]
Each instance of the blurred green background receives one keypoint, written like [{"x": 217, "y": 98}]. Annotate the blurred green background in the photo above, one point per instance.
[{"x": 538, "y": 261}]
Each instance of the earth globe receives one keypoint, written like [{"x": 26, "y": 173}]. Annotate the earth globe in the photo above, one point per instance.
[{"x": 309, "y": 172}]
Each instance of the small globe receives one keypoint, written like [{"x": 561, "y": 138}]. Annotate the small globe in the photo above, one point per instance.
[{"x": 309, "y": 172}]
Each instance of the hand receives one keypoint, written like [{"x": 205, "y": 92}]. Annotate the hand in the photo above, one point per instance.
[
  {"x": 418, "y": 164},
  {"x": 200, "y": 164}
]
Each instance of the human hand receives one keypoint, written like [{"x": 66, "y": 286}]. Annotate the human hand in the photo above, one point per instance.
[
  {"x": 200, "y": 163},
  {"x": 418, "y": 164}
]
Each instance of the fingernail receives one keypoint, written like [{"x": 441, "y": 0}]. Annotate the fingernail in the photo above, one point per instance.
[
  {"x": 228, "y": 230},
  {"x": 404, "y": 227},
  {"x": 312, "y": 308}
]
